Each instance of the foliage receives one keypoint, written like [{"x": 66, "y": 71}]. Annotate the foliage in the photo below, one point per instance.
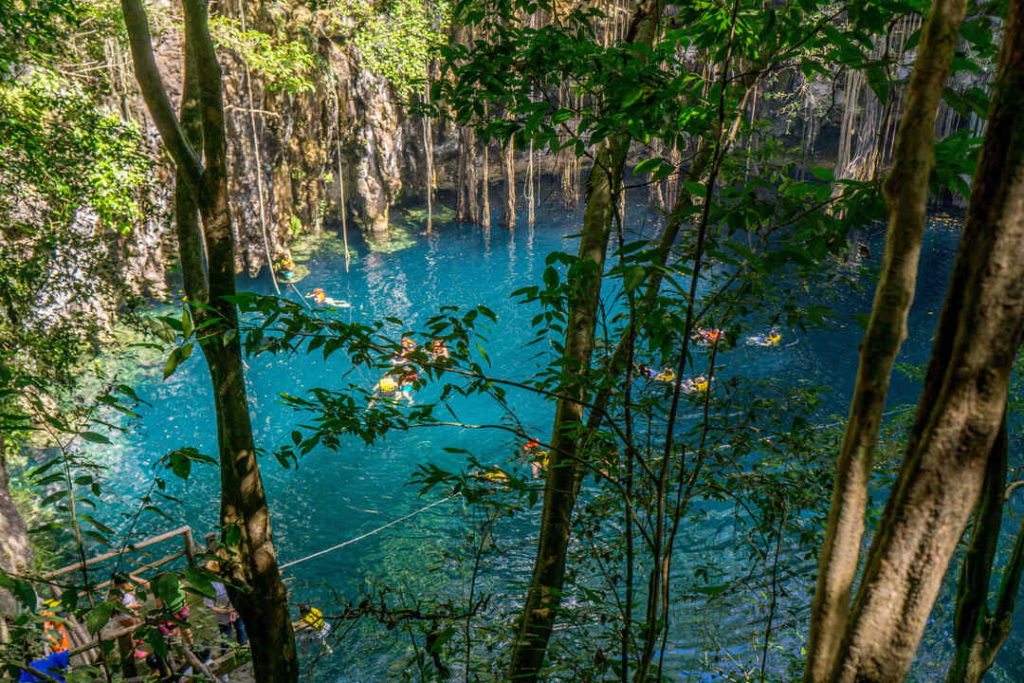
[
  {"x": 396, "y": 39},
  {"x": 285, "y": 65}
]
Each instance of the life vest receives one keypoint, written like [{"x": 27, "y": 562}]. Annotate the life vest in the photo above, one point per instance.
[
  {"x": 388, "y": 385},
  {"x": 56, "y": 635},
  {"x": 314, "y": 618}
]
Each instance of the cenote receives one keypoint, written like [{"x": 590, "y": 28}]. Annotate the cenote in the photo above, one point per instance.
[{"x": 334, "y": 497}]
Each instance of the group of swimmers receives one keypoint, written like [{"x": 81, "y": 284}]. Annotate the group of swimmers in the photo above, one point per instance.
[
  {"x": 398, "y": 382},
  {"x": 704, "y": 337}
]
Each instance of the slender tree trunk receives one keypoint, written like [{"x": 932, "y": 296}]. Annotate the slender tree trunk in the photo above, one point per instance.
[
  {"x": 605, "y": 183},
  {"x": 962, "y": 403},
  {"x": 906, "y": 192},
  {"x": 529, "y": 189},
  {"x": 428, "y": 152},
  {"x": 248, "y": 552},
  {"x": 485, "y": 187},
  {"x": 508, "y": 165},
  {"x": 467, "y": 208},
  {"x": 975, "y": 651}
]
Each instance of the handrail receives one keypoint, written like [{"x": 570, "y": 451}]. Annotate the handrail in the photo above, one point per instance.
[{"x": 184, "y": 531}]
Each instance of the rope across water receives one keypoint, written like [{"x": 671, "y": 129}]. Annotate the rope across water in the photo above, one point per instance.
[{"x": 367, "y": 534}]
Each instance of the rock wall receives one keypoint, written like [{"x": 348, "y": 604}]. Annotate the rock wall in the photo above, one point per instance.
[{"x": 283, "y": 148}]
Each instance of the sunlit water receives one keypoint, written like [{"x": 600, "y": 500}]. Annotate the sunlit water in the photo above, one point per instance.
[{"x": 336, "y": 496}]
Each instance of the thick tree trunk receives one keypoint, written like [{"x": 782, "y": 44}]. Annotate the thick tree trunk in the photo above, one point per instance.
[
  {"x": 906, "y": 192},
  {"x": 248, "y": 552},
  {"x": 961, "y": 406},
  {"x": 603, "y": 187}
]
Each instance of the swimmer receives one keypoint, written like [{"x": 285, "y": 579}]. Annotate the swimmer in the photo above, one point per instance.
[
  {"x": 768, "y": 340},
  {"x": 697, "y": 385},
  {"x": 493, "y": 476},
  {"x": 666, "y": 375},
  {"x": 403, "y": 357},
  {"x": 536, "y": 456},
  {"x": 708, "y": 337},
  {"x": 438, "y": 350},
  {"x": 318, "y": 296},
  {"x": 391, "y": 388}
]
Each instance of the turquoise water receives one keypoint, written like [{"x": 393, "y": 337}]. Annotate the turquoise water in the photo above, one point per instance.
[{"x": 335, "y": 496}]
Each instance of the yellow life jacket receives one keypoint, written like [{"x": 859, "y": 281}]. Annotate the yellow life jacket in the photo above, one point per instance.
[
  {"x": 388, "y": 384},
  {"x": 315, "y": 619}
]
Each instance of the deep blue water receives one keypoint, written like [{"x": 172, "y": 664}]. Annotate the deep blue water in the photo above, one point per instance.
[{"x": 334, "y": 496}]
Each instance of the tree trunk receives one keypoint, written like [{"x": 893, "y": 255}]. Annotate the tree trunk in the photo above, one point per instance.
[
  {"x": 508, "y": 165},
  {"x": 548, "y": 579},
  {"x": 249, "y": 559},
  {"x": 973, "y": 655},
  {"x": 466, "y": 206},
  {"x": 961, "y": 405},
  {"x": 15, "y": 551},
  {"x": 906, "y": 192},
  {"x": 485, "y": 186}
]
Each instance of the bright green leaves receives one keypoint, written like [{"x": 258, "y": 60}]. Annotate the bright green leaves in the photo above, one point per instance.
[
  {"x": 178, "y": 356},
  {"x": 180, "y": 461},
  {"x": 284, "y": 64}
]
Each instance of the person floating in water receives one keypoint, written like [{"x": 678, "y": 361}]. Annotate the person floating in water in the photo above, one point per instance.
[
  {"x": 697, "y": 385},
  {"x": 536, "y": 456},
  {"x": 392, "y": 387},
  {"x": 408, "y": 347},
  {"x": 771, "y": 339},
  {"x": 320, "y": 298},
  {"x": 708, "y": 337},
  {"x": 666, "y": 375},
  {"x": 439, "y": 350},
  {"x": 312, "y": 620}
]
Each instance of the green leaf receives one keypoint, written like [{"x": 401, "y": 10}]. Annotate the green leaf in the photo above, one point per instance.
[
  {"x": 93, "y": 437},
  {"x": 186, "y": 322},
  {"x": 822, "y": 173},
  {"x": 200, "y": 580},
  {"x": 646, "y": 166},
  {"x": 181, "y": 465},
  {"x": 633, "y": 277},
  {"x": 97, "y": 617},
  {"x": 173, "y": 361}
]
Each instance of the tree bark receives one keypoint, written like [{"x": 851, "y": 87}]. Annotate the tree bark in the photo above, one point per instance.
[
  {"x": 508, "y": 165},
  {"x": 466, "y": 206},
  {"x": 603, "y": 186},
  {"x": 15, "y": 550},
  {"x": 961, "y": 405},
  {"x": 906, "y": 192},
  {"x": 249, "y": 561},
  {"x": 973, "y": 656}
]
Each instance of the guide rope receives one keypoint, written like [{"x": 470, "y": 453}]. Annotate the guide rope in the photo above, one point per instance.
[{"x": 379, "y": 529}]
